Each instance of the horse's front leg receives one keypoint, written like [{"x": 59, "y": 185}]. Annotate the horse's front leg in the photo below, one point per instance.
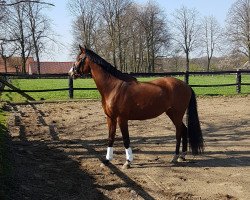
[
  {"x": 112, "y": 129},
  {"x": 126, "y": 141}
]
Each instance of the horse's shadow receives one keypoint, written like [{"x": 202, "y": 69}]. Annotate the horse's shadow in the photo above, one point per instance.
[
  {"x": 43, "y": 172},
  {"x": 54, "y": 173}
]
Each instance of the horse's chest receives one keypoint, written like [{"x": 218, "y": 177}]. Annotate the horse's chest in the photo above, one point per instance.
[{"x": 109, "y": 106}]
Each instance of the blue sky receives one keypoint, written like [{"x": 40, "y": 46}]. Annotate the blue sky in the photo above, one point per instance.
[{"x": 62, "y": 19}]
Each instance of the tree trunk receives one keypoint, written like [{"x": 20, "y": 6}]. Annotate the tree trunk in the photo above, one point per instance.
[
  {"x": 23, "y": 61},
  {"x": 248, "y": 53},
  {"x": 208, "y": 63},
  {"x": 187, "y": 61},
  {"x": 5, "y": 63}
]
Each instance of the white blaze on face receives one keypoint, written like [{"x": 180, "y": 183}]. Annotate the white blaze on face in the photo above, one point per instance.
[{"x": 71, "y": 71}]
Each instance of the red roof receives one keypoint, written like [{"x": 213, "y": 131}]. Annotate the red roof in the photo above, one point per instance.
[{"x": 50, "y": 67}]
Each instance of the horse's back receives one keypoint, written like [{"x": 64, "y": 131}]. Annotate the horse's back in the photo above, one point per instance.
[
  {"x": 179, "y": 93},
  {"x": 143, "y": 100}
]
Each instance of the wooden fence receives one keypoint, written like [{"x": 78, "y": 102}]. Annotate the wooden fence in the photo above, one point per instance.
[{"x": 3, "y": 76}]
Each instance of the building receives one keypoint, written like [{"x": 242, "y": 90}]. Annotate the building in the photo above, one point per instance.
[
  {"x": 14, "y": 65},
  {"x": 50, "y": 67}
]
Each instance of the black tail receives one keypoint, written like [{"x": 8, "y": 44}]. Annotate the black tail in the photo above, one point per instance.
[{"x": 194, "y": 130}]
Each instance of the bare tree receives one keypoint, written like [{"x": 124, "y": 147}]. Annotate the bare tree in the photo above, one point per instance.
[
  {"x": 133, "y": 45},
  {"x": 9, "y": 3},
  {"x": 211, "y": 38},
  {"x": 25, "y": 31},
  {"x": 85, "y": 21},
  {"x": 156, "y": 32},
  {"x": 185, "y": 30},
  {"x": 39, "y": 28},
  {"x": 7, "y": 50},
  {"x": 3, "y": 13},
  {"x": 176, "y": 58},
  {"x": 21, "y": 33},
  {"x": 112, "y": 11},
  {"x": 128, "y": 35},
  {"x": 238, "y": 27}
]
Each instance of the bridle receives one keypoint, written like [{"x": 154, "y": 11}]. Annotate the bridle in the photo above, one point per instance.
[{"x": 76, "y": 69}]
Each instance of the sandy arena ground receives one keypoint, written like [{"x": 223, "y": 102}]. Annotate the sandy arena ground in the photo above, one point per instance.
[{"x": 58, "y": 148}]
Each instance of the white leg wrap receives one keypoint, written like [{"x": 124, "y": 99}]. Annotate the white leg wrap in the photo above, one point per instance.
[
  {"x": 109, "y": 155},
  {"x": 129, "y": 154}
]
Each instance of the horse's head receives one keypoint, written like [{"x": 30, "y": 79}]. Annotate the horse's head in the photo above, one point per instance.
[{"x": 81, "y": 65}]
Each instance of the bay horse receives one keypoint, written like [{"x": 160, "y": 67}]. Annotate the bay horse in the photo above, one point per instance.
[{"x": 124, "y": 98}]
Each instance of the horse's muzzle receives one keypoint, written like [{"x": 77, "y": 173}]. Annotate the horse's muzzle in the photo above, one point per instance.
[{"x": 72, "y": 72}]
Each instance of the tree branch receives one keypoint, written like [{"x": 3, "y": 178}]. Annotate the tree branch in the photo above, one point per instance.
[{"x": 3, "y": 3}]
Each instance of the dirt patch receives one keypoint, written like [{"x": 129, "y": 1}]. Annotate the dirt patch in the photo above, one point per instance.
[{"x": 58, "y": 150}]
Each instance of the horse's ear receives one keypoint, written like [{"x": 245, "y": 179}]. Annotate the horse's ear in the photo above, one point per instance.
[{"x": 81, "y": 48}]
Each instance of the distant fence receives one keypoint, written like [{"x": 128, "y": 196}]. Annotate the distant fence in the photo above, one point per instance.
[{"x": 238, "y": 82}]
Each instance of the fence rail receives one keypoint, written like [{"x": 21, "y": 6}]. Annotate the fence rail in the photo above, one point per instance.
[{"x": 238, "y": 83}]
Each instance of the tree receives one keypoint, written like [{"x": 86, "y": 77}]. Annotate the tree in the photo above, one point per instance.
[
  {"x": 130, "y": 36},
  {"x": 175, "y": 58},
  {"x": 112, "y": 12},
  {"x": 7, "y": 50},
  {"x": 134, "y": 45},
  {"x": 85, "y": 21},
  {"x": 39, "y": 28},
  {"x": 238, "y": 27},
  {"x": 157, "y": 37},
  {"x": 26, "y": 30},
  {"x": 20, "y": 32},
  {"x": 211, "y": 37},
  {"x": 9, "y": 3},
  {"x": 186, "y": 30}
]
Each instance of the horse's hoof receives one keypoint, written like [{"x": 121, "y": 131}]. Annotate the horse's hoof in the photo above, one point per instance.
[
  {"x": 126, "y": 165},
  {"x": 105, "y": 163},
  {"x": 181, "y": 159},
  {"x": 175, "y": 159}
]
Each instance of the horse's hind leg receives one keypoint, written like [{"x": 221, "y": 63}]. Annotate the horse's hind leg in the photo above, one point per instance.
[
  {"x": 178, "y": 142},
  {"x": 176, "y": 118},
  {"x": 184, "y": 143}
]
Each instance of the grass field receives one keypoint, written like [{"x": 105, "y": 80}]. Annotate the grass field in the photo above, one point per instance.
[{"x": 35, "y": 84}]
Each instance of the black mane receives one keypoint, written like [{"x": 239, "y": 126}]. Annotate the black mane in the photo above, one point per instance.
[{"x": 108, "y": 67}]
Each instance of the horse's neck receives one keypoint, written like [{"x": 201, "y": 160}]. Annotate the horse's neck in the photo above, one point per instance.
[{"x": 105, "y": 82}]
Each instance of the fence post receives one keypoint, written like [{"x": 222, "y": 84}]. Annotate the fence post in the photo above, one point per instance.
[
  {"x": 186, "y": 77},
  {"x": 238, "y": 81},
  {"x": 71, "y": 88}
]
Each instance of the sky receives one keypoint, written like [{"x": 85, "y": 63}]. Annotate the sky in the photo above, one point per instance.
[{"x": 62, "y": 20}]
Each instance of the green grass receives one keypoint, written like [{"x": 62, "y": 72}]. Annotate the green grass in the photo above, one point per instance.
[
  {"x": 213, "y": 80},
  {"x": 34, "y": 84}
]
